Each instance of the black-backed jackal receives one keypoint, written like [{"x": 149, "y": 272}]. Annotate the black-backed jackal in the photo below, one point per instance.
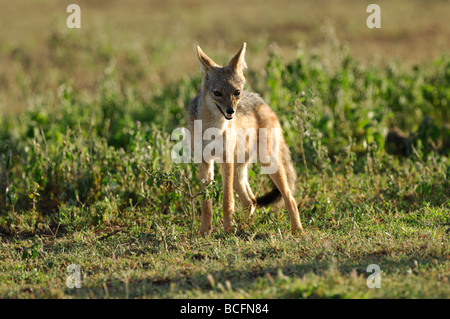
[{"x": 222, "y": 105}]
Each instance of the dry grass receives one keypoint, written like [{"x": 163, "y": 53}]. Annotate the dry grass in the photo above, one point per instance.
[
  {"x": 165, "y": 33},
  {"x": 412, "y": 30}
]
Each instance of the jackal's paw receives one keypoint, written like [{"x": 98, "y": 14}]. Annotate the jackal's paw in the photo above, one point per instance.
[
  {"x": 228, "y": 226},
  {"x": 298, "y": 232},
  {"x": 229, "y": 229},
  {"x": 251, "y": 209},
  {"x": 205, "y": 230}
]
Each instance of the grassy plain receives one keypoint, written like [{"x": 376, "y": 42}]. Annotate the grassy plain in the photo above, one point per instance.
[{"x": 85, "y": 165}]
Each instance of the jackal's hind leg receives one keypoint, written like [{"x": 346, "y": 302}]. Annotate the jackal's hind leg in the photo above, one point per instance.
[
  {"x": 281, "y": 182},
  {"x": 242, "y": 188}
]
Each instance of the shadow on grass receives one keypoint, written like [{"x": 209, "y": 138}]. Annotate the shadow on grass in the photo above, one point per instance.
[{"x": 231, "y": 282}]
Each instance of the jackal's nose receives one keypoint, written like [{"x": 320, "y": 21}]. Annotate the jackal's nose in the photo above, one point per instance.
[{"x": 230, "y": 111}]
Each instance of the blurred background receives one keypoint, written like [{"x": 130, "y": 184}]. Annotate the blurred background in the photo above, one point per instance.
[
  {"x": 86, "y": 172},
  {"x": 153, "y": 41}
]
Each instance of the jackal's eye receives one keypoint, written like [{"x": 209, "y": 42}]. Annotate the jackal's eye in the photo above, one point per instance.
[
  {"x": 217, "y": 93},
  {"x": 237, "y": 93}
]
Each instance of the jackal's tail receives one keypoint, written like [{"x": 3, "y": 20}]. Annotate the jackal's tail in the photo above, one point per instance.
[{"x": 274, "y": 195}]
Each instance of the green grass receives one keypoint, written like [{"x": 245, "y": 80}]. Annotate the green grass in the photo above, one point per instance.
[
  {"x": 86, "y": 178},
  {"x": 148, "y": 255}
]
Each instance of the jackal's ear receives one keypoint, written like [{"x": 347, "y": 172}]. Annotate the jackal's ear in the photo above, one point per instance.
[
  {"x": 238, "y": 61},
  {"x": 206, "y": 63}
]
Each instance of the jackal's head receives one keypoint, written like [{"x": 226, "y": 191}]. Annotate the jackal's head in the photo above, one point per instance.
[{"x": 222, "y": 85}]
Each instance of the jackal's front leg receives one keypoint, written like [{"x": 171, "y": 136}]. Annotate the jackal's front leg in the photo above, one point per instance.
[
  {"x": 206, "y": 174},
  {"x": 228, "y": 197}
]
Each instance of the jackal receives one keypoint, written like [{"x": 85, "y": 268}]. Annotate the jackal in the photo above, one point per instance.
[{"x": 224, "y": 105}]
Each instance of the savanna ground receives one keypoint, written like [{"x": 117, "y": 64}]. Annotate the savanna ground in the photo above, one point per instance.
[{"x": 86, "y": 175}]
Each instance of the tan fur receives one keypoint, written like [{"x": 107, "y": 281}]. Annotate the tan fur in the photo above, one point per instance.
[{"x": 220, "y": 95}]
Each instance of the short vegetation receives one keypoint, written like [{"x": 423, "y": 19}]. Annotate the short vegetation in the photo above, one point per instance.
[{"x": 86, "y": 178}]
